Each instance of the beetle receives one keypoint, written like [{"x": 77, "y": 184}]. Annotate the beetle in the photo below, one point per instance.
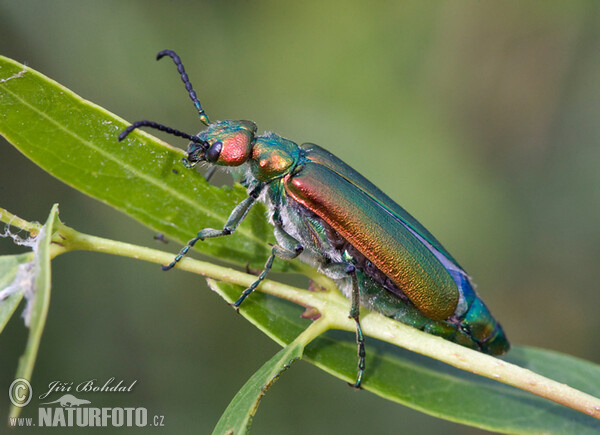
[{"x": 328, "y": 215}]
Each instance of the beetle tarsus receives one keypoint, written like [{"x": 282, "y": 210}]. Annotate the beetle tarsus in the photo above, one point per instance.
[
  {"x": 261, "y": 277},
  {"x": 356, "y": 385}
]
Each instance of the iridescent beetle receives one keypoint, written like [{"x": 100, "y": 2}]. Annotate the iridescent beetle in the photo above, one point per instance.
[{"x": 328, "y": 215}]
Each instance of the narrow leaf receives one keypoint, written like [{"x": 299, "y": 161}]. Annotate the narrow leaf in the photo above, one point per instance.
[
  {"x": 76, "y": 141},
  {"x": 430, "y": 386},
  {"x": 238, "y": 416},
  {"x": 9, "y": 265},
  {"x": 38, "y": 306}
]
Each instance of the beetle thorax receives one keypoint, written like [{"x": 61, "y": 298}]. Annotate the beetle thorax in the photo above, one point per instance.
[{"x": 273, "y": 157}]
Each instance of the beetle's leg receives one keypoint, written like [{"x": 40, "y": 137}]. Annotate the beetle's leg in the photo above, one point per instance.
[
  {"x": 291, "y": 249},
  {"x": 210, "y": 173},
  {"x": 339, "y": 270},
  {"x": 355, "y": 314},
  {"x": 235, "y": 218}
]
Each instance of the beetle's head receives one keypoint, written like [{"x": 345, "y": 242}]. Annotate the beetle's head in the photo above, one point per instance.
[{"x": 225, "y": 143}]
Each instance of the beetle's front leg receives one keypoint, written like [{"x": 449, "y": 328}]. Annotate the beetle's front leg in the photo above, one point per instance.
[
  {"x": 210, "y": 173},
  {"x": 235, "y": 218},
  {"x": 290, "y": 248}
]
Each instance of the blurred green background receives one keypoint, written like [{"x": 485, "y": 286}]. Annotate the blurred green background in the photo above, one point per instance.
[{"x": 481, "y": 118}]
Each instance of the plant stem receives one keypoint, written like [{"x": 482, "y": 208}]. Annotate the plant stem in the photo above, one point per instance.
[
  {"x": 13, "y": 220},
  {"x": 378, "y": 326},
  {"x": 335, "y": 307}
]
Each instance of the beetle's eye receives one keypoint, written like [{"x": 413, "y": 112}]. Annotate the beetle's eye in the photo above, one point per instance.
[{"x": 212, "y": 154}]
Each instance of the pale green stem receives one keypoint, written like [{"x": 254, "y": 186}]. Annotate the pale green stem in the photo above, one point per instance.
[
  {"x": 13, "y": 220},
  {"x": 315, "y": 329},
  {"x": 336, "y": 307}
]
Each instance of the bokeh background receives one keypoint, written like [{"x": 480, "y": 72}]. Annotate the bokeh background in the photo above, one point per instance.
[{"x": 481, "y": 118}]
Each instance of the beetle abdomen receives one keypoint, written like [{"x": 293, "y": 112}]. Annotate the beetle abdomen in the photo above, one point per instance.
[
  {"x": 471, "y": 325},
  {"x": 378, "y": 235}
]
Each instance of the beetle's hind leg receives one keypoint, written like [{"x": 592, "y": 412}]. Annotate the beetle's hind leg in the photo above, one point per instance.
[
  {"x": 289, "y": 250},
  {"x": 355, "y": 314},
  {"x": 235, "y": 218},
  {"x": 348, "y": 269}
]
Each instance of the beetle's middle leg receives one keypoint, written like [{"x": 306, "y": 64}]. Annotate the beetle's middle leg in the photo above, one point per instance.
[
  {"x": 235, "y": 218},
  {"x": 288, "y": 249}
]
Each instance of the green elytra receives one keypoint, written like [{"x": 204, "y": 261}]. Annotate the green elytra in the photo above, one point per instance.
[{"x": 328, "y": 215}]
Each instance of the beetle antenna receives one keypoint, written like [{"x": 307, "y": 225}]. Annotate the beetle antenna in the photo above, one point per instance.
[
  {"x": 160, "y": 127},
  {"x": 188, "y": 85}
]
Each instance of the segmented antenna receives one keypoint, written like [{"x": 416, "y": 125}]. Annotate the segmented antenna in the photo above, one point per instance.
[
  {"x": 188, "y": 85},
  {"x": 160, "y": 127}
]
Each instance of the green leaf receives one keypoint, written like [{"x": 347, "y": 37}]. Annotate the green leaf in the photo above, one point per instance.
[
  {"x": 76, "y": 141},
  {"x": 238, "y": 415},
  {"x": 430, "y": 386},
  {"x": 9, "y": 265},
  {"x": 39, "y": 304}
]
